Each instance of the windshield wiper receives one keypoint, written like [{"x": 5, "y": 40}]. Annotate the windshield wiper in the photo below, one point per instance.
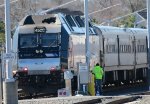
[{"x": 52, "y": 43}]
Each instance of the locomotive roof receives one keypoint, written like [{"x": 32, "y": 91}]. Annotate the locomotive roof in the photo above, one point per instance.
[
  {"x": 40, "y": 19},
  {"x": 75, "y": 24},
  {"x": 64, "y": 11}
]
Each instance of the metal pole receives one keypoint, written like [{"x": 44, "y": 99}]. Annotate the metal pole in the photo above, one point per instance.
[
  {"x": 87, "y": 34},
  {"x": 1, "y": 82},
  {"x": 148, "y": 27},
  {"x": 10, "y": 89},
  {"x": 8, "y": 39}
]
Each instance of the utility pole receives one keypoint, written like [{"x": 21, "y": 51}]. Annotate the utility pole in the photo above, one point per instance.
[
  {"x": 10, "y": 88},
  {"x": 87, "y": 36},
  {"x": 148, "y": 27}
]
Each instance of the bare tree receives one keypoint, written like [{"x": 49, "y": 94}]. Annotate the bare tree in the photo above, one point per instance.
[
  {"x": 26, "y": 7},
  {"x": 134, "y": 5}
]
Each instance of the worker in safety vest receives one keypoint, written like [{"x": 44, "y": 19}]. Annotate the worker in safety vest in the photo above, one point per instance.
[{"x": 98, "y": 74}]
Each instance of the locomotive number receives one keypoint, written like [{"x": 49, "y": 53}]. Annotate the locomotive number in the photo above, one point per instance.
[{"x": 40, "y": 30}]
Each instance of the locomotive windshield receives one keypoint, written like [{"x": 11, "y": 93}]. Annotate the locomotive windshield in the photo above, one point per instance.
[
  {"x": 49, "y": 41},
  {"x": 27, "y": 41},
  {"x": 39, "y": 45}
]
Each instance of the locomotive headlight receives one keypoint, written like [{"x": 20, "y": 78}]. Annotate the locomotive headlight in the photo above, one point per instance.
[
  {"x": 14, "y": 72},
  {"x": 41, "y": 51},
  {"x": 37, "y": 51}
]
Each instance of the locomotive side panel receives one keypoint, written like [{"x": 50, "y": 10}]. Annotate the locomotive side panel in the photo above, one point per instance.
[
  {"x": 64, "y": 51},
  {"x": 78, "y": 49}
]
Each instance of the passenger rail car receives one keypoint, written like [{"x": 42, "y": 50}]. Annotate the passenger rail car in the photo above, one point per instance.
[
  {"x": 49, "y": 44},
  {"x": 124, "y": 55}
]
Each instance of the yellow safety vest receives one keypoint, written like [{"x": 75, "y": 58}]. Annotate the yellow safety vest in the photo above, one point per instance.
[{"x": 98, "y": 72}]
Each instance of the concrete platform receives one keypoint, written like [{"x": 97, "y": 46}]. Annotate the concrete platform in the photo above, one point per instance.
[
  {"x": 58, "y": 100},
  {"x": 71, "y": 100}
]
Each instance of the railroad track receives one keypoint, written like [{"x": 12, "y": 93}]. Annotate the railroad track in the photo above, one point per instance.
[
  {"x": 109, "y": 100},
  {"x": 123, "y": 99},
  {"x": 22, "y": 96},
  {"x": 133, "y": 98},
  {"x": 111, "y": 91},
  {"x": 130, "y": 95},
  {"x": 126, "y": 89}
]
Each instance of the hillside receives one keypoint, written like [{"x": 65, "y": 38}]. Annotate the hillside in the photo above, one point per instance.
[{"x": 97, "y": 8}]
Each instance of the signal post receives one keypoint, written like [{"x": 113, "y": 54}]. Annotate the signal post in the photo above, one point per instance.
[
  {"x": 10, "y": 94},
  {"x": 87, "y": 40},
  {"x": 148, "y": 27}
]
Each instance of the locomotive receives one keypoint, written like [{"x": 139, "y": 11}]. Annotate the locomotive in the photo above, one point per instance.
[
  {"x": 38, "y": 46},
  {"x": 47, "y": 45}
]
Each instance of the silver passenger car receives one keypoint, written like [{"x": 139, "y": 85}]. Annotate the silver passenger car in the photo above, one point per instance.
[{"x": 124, "y": 54}]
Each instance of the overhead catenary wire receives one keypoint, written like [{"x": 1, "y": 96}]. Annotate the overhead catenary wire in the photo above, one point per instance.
[
  {"x": 104, "y": 9},
  {"x": 43, "y": 12},
  {"x": 124, "y": 16},
  {"x": 2, "y": 5}
]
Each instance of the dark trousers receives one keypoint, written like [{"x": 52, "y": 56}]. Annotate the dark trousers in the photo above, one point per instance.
[{"x": 98, "y": 87}]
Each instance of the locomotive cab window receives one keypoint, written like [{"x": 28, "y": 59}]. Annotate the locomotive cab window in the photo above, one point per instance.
[
  {"x": 28, "y": 41},
  {"x": 43, "y": 45},
  {"x": 49, "y": 40}
]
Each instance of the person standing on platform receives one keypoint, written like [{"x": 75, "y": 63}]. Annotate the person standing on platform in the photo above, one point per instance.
[{"x": 98, "y": 74}]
